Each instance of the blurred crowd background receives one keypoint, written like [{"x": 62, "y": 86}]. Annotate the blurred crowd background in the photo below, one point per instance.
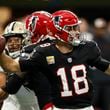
[{"x": 95, "y": 18}]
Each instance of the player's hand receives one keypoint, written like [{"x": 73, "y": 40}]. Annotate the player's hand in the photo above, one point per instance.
[{"x": 2, "y": 44}]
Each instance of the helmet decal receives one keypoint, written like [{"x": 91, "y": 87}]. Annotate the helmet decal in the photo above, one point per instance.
[
  {"x": 36, "y": 23},
  {"x": 32, "y": 23},
  {"x": 56, "y": 22}
]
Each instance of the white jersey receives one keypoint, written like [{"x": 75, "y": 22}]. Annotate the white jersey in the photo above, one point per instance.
[{"x": 24, "y": 99}]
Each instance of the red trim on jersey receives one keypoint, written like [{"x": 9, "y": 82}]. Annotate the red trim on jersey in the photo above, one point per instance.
[{"x": 48, "y": 106}]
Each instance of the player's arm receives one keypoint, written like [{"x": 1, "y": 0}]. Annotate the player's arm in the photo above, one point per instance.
[
  {"x": 103, "y": 65},
  {"x": 9, "y": 64},
  {"x": 95, "y": 59},
  {"x": 13, "y": 83},
  {"x": 10, "y": 85}
]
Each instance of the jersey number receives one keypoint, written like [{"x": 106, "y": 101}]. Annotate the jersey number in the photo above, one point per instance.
[
  {"x": 45, "y": 45},
  {"x": 76, "y": 80}
]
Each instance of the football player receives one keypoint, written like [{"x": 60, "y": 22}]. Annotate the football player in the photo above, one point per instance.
[
  {"x": 37, "y": 82},
  {"x": 36, "y": 24},
  {"x": 25, "y": 99},
  {"x": 65, "y": 63}
]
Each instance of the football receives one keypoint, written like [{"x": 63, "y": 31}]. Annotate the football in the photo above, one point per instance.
[{"x": 2, "y": 43}]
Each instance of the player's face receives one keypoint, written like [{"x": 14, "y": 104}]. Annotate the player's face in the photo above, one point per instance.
[
  {"x": 14, "y": 44},
  {"x": 72, "y": 28},
  {"x": 73, "y": 31}
]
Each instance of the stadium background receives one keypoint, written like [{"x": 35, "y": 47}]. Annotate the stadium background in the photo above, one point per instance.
[{"x": 87, "y": 8}]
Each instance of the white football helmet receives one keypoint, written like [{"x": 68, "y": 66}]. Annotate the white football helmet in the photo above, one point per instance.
[
  {"x": 17, "y": 28},
  {"x": 14, "y": 28}
]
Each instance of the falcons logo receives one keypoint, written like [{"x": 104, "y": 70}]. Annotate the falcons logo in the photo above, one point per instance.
[{"x": 32, "y": 23}]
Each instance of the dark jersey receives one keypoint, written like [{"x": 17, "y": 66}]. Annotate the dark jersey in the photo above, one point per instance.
[
  {"x": 36, "y": 80},
  {"x": 67, "y": 73}
]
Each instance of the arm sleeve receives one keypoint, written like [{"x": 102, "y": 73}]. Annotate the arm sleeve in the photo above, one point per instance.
[
  {"x": 32, "y": 63},
  {"x": 95, "y": 58},
  {"x": 101, "y": 64}
]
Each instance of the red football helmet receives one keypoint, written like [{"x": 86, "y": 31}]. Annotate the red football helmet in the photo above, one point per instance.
[
  {"x": 62, "y": 25},
  {"x": 36, "y": 24}
]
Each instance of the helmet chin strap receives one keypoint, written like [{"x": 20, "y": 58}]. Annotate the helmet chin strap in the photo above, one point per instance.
[{"x": 72, "y": 39}]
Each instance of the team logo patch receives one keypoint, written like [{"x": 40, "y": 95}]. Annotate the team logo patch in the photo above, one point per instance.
[{"x": 50, "y": 59}]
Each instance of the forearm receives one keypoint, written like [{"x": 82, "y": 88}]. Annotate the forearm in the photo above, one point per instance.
[{"x": 9, "y": 64}]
